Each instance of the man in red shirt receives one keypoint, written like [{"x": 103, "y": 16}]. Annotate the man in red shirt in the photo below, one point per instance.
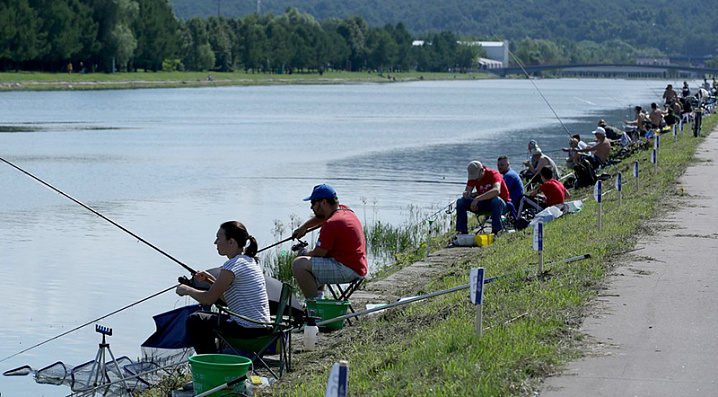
[
  {"x": 485, "y": 191},
  {"x": 339, "y": 255},
  {"x": 553, "y": 192}
]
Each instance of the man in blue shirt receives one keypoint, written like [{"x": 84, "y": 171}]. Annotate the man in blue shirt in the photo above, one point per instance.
[{"x": 511, "y": 178}]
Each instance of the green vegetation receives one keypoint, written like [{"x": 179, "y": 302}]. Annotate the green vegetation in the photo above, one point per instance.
[
  {"x": 60, "y": 81},
  {"x": 680, "y": 27},
  {"x": 127, "y": 35},
  {"x": 530, "y": 320}
]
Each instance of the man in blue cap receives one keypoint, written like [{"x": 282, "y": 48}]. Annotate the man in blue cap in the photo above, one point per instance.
[{"x": 339, "y": 255}]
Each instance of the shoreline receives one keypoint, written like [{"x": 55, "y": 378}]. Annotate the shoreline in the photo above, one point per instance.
[{"x": 26, "y": 81}]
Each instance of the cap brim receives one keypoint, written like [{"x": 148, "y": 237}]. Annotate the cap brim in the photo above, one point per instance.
[{"x": 307, "y": 198}]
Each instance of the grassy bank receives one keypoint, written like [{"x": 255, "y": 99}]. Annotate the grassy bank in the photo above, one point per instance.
[
  {"x": 530, "y": 321},
  {"x": 32, "y": 81}
]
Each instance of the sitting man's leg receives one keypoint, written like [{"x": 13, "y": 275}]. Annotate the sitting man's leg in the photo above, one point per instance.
[
  {"x": 497, "y": 207},
  {"x": 302, "y": 270},
  {"x": 312, "y": 272},
  {"x": 462, "y": 205}
]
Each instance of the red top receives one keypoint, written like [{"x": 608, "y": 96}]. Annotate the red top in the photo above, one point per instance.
[
  {"x": 554, "y": 191},
  {"x": 342, "y": 235},
  {"x": 485, "y": 184}
]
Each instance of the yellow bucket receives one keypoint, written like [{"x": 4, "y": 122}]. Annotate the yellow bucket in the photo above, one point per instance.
[{"x": 484, "y": 239}]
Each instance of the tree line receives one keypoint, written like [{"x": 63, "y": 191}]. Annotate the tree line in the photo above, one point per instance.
[
  {"x": 675, "y": 27},
  {"x": 129, "y": 35}
]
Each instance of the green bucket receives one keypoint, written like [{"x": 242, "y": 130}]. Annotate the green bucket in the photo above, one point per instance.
[
  {"x": 212, "y": 370},
  {"x": 327, "y": 309}
]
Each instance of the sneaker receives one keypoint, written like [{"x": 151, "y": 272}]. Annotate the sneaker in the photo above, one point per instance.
[{"x": 188, "y": 386}]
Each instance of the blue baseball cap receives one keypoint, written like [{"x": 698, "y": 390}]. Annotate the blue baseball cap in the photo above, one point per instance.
[{"x": 322, "y": 191}]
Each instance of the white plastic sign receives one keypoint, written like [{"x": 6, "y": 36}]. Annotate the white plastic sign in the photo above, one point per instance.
[
  {"x": 538, "y": 237},
  {"x": 657, "y": 142},
  {"x": 597, "y": 192},
  {"x": 476, "y": 284},
  {"x": 635, "y": 169},
  {"x": 619, "y": 182},
  {"x": 654, "y": 159},
  {"x": 338, "y": 380}
]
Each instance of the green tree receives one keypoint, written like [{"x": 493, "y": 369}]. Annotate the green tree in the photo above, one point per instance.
[
  {"x": 115, "y": 18},
  {"x": 381, "y": 49},
  {"x": 157, "y": 33},
  {"x": 24, "y": 42},
  {"x": 354, "y": 30}
]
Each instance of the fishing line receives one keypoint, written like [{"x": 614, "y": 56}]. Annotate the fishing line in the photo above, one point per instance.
[
  {"x": 90, "y": 322},
  {"x": 85, "y": 206},
  {"x": 518, "y": 62}
]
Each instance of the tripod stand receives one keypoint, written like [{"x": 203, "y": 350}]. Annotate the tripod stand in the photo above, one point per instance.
[{"x": 98, "y": 373}]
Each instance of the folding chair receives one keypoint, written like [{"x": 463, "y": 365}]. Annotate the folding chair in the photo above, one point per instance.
[
  {"x": 343, "y": 294},
  {"x": 281, "y": 337},
  {"x": 507, "y": 220}
]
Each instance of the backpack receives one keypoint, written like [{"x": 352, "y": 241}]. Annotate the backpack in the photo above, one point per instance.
[{"x": 585, "y": 175}]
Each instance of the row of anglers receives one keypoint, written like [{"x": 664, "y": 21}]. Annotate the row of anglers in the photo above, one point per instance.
[
  {"x": 502, "y": 191},
  {"x": 339, "y": 253}
]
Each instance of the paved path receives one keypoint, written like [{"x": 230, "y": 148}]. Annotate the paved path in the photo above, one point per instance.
[{"x": 657, "y": 324}]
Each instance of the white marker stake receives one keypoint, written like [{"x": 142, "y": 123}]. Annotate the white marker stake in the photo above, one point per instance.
[
  {"x": 538, "y": 245},
  {"x": 598, "y": 196},
  {"x": 675, "y": 132},
  {"x": 476, "y": 284},
  {"x": 338, "y": 380},
  {"x": 657, "y": 143},
  {"x": 428, "y": 239},
  {"x": 619, "y": 187},
  {"x": 654, "y": 160},
  {"x": 635, "y": 174}
]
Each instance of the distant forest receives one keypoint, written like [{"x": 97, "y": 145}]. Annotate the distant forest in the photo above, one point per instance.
[
  {"x": 673, "y": 27},
  {"x": 131, "y": 35}
]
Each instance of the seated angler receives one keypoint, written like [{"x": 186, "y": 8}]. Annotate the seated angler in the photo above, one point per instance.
[
  {"x": 340, "y": 252},
  {"x": 511, "y": 178},
  {"x": 600, "y": 150},
  {"x": 485, "y": 191},
  {"x": 540, "y": 160},
  {"x": 240, "y": 283},
  {"x": 551, "y": 192}
]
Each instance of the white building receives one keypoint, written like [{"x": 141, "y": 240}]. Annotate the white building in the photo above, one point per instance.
[{"x": 495, "y": 50}]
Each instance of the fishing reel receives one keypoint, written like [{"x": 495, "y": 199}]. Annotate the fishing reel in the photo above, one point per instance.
[
  {"x": 300, "y": 247},
  {"x": 184, "y": 280}
]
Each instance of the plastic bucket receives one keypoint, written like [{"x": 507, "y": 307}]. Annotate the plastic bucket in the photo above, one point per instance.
[
  {"x": 327, "y": 309},
  {"x": 484, "y": 239},
  {"x": 212, "y": 370}
]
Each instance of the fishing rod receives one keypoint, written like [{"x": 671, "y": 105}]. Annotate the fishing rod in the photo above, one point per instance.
[
  {"x": 90, "y": 322},
  {"x": 518, "y": 62},
  {"x": 85, "y": 206}
]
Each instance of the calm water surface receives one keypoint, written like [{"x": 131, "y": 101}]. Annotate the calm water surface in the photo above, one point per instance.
[{"x": 171, "y": 165}]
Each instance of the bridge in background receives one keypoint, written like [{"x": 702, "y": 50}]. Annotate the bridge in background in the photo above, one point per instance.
[{"x": 606, "y": 68}]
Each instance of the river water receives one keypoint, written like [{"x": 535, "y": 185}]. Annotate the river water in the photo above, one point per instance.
[{"x": 172, "y": 164}]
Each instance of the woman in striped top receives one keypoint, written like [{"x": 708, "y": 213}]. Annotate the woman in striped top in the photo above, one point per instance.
[{"x": 240, "y": 283}]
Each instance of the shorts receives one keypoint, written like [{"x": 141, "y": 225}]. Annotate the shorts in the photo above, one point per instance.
[{"x": 329, "y": 271}]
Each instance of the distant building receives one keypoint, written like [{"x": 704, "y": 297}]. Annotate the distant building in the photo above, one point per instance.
[{"x": 495, "y": 50}]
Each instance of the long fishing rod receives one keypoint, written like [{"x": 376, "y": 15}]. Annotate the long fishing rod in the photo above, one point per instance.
[
  {"x": 90, "y": 322},
  {"x": 518, "y": 62},
  {"x": 85, "y": 206}
]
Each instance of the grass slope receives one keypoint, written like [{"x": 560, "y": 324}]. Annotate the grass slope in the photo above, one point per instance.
[{"x": 530, "y": 322}]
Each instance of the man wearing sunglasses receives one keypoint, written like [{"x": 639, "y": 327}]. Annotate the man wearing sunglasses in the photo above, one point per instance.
[{"x": 339, "y": 255}]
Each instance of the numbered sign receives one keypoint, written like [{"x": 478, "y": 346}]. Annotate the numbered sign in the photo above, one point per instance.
[
  {"x": 657, "y": 142},
  {"x": 598, "y": 192},
  {"x": 476, "y": 283},
  {"x": 635, "y": 169},
  {"x": 538, "y": 237},
  {"x": 619, "y": 182},
  {"x": 654, "y": 157},
  {"x": 338, "y": 380}
]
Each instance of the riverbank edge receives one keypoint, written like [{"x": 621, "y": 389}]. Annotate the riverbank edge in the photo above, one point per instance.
[
  {"x": 381, "y": 358},
  {"x": 24, "y": 81}
]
